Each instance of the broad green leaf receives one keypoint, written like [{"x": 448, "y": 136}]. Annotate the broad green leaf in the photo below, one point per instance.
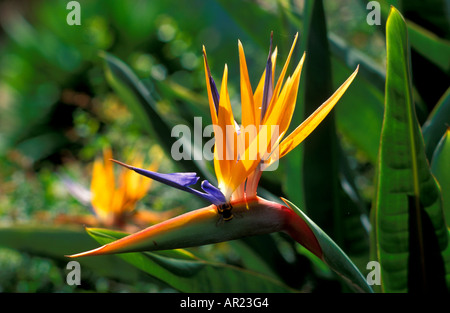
[
  {"x": 436, "y": 124},
  {"x": 187, "y": 273},
  {"x": 294, "y": 184},
  {"x": 408, "y": 220},
  {"x": 320, "y": 164},
  {"x": 333, "y": 255},
  {"x": 56, "y": 241}
]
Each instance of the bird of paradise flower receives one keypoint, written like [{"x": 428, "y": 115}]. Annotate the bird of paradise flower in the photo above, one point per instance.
[
  {"x": 113, "y": 201},
  {"x": 238, "y": 176}
]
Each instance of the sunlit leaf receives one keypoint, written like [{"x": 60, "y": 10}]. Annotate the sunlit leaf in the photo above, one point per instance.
[{"x": 409, "y": 227}]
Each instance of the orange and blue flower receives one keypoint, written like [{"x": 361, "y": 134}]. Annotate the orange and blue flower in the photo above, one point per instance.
[{"x": 239, "y": 160}]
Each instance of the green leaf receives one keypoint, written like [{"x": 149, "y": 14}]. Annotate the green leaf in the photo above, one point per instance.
[
  {"x": 427, "y": 41},
  {"x": 355, "y": 217},
  {"x": 432, "y": 13},
  {"x": 294, "y": 184},
  {"x": 269, "y": 249},
  {"x": 435, "y": 49},
  {"x": 428, "y": 27},
  {"x": 436, "y": 124},
  {"x": 42, "y": 145},
  {"x": 56, "y": 241},
  {"x": 135, "y": 95},
  {"x": 344, "y": 53},
  {"x": 408, "y": 220},
  {"x": 320, "y": 164},
  {"x": 440, "y": 167},
  {"x": 251, "y": 259},
  {"x": 333, "y": 255},
  {"x": 187, "y": 273},
  {"x": 189, "y": 103}
]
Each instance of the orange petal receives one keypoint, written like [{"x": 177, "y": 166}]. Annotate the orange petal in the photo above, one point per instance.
[
  {"x": 258, "y": 95},
  {"x": 277, "y": 89},
  {"x": 208, "y": 87},
  {"x": 102, "y": 185},
  {"x": 302, "y": 131},
  {"x": 247, "y": 105},
  {"x": 288, "y": 105},
  {"x": 226, "y": 139}
]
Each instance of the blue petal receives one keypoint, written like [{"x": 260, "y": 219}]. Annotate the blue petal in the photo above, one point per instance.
[
  {"x": 182, "y": 181},
  {"x": 176, "y": 180},
  {"x": 212, "y": 85},
  {"x": 268, "y": 84},
  {"x": 215, "y": 94},
  {"x": 214, "y": 191}
]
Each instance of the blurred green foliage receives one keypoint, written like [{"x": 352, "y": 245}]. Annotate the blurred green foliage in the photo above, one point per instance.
[{"x": 57, "y": 112}]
